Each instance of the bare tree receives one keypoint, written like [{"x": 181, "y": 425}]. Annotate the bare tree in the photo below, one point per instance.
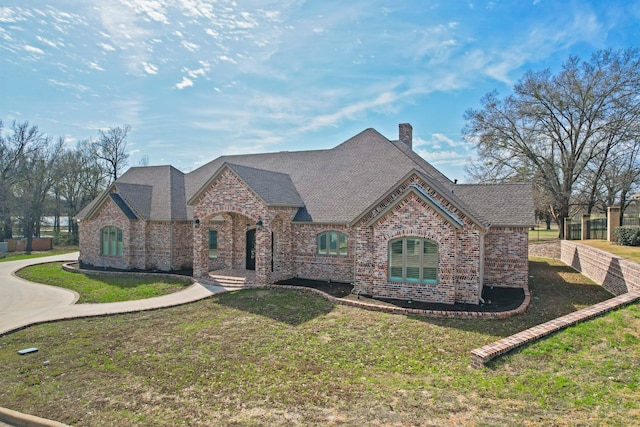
[
  {"x": 561, "y": 125},
  {"x": 38, "y": 176},
  {"x": 111, "y": 148},
  {"x": 81, "y": 179},
  {"x": 22, "y": 141}
]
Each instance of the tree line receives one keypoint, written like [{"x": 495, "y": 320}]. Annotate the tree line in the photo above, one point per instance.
[
  {"x": 575, "y": 135},
  {"x": 40, "y": 175}
]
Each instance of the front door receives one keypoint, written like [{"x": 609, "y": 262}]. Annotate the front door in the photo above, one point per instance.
[{"x": 251, "y": 249}]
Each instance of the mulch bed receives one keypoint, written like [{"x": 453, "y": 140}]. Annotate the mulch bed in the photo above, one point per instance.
[
  {"x": 83, "y": 266},
  {"x": 496, "y": 299}
]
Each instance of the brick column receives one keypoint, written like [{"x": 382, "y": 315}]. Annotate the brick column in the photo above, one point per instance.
[
  {"x": 585, "y": 227},
  {"x": 613, "y": 220},
  {"x": 263, "y": 254},
  {"x": 567, "y": 228}
]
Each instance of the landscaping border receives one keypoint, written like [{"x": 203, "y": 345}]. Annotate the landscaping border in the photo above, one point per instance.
[{"x": 619, "y": 276}]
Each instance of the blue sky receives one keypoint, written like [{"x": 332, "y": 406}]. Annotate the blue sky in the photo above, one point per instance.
[{"x": 197, "y": 79}]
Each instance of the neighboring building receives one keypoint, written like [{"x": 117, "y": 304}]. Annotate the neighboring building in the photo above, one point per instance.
[{"x": 370, "y": 211}]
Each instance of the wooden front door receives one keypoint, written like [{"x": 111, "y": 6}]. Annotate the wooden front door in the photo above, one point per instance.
[{"x": 251, "y": 249}]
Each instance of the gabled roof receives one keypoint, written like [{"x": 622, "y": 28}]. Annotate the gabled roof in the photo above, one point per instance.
[
  {"x": 335, "y": 186},
  {"x": 153, "y": 193},
  {"x": 445, "y": 213},
  {"x": 438, "y": 187},
  {"x": 274, "y": 188}
]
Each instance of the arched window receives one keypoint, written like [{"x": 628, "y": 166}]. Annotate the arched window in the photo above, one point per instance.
[
  {"x": 111, "y": 241},
  {"x": 332, "y": 243},
  {"x": 413, "y": 260}
]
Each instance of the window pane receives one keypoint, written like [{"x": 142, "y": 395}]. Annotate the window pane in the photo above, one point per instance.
[
  {"x": 343, "y": 243},
  {"x": 395, "y": 260},
  {"x": 333, "y": 243},
  {"x": 118, "y": 242},
  {"x": 322, "y": 243},
  {"x": 105, "y": 241},
  {"x": 430, "y": 262},
  {"x": 412, "y": 273},
  {"x": 112, "y": 241},
  {"x": 213, "y": 244}
]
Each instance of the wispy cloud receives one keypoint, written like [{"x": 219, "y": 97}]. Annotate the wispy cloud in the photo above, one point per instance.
[
  {"x": 149, "y": 68},
  {"x": 184, "y": 83}
]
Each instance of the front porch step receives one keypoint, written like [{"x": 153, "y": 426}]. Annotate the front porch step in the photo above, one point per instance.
[{"x": 231, "y": 279}]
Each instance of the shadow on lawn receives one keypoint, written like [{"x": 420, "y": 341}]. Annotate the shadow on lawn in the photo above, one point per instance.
[
  {"x": 556, "y": 289},
  {"x": 288, "y": 306}
]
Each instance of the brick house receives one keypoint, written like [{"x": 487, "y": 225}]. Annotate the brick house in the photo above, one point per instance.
[{"x": 370, "y": 211}]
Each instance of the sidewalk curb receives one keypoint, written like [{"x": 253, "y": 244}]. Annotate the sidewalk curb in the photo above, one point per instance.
[{"x": 19, "y": 419}]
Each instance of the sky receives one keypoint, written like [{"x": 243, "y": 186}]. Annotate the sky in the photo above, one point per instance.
[{"x": 197, "y": 79}]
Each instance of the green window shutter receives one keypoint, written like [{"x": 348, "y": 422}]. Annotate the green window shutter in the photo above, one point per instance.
[
  {"x": 322, "y": 244},
  {"x": 395, "y": 260},
  {"x": 333, "y": 243},
  {"x": 430, "y": 262},
  {"x": 343, "y": 243},
  {"x": 412, "y": 259}
]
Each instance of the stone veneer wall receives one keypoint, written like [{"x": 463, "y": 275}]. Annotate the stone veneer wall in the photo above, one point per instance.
[
  {"x": 506, "y": 261},
  {"x": 615, "y": 274}
]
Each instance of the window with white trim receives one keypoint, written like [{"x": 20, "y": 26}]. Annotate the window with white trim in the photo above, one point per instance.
[
  {"x": 413, "y": 260},
  {"x": 111, "y": 241},
  {"x": 332, "y": 243}
]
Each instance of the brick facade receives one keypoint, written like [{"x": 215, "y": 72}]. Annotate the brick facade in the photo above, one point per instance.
[
  {"x": 146, "y": 245},
  {"x": 470, "y": 256}
]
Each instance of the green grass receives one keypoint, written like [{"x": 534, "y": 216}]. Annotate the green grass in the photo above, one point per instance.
[
  {"x": 15, "y": 256},
  {"x": 258, "y": 357},
  {"x": 541, "y": 233},
  {"x": 100, "y": 289}
]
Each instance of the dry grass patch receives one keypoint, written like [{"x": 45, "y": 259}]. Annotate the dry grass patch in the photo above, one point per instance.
[
  {"x": 291, "y": 358},
  {"x": 631, "y": 253}
]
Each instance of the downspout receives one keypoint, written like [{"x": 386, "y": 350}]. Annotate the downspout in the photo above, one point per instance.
[
  {"x": 481, "y": 267},
  {"x": 171, "y": 247}
]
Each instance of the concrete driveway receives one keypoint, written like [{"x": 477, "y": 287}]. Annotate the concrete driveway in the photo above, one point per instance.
[
  {"x": 21, "y": 300},
  {"x": 24, "y": 303}
]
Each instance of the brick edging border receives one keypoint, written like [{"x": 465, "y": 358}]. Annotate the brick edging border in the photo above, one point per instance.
[
  {"x": 400, "y": 310},
  {"x": 481, "y": 356}
]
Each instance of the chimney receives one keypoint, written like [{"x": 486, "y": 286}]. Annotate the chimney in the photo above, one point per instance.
[{"x": 406, "y": 134}]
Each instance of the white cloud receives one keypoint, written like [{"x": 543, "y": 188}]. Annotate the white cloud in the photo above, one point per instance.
[
  {"x": 75, "y": 86},
  {"x": 184, "y": 83},
  {"x": 33, "y": 49},
  {"x": 47, "y": 41},
  {"x": 106, "y": 47},
  {"x": 149, "y": 68},
  {"x": 94, "y": 66},
  {"x": 190, "y": 46}
]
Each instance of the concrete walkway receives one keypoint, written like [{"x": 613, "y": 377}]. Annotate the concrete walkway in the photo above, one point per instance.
[{"x": 24, "y": 303}]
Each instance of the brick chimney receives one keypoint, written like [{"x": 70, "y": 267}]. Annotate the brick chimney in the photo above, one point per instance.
[{"x": 406, "y": 134}]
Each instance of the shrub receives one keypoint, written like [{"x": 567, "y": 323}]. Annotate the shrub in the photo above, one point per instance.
[{"x": 628, "y": 235}]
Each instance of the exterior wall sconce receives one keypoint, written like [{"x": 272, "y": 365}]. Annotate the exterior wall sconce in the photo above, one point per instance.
[
  {"x": 196, "y": 222},
  {"x": 259, "y": 225}
]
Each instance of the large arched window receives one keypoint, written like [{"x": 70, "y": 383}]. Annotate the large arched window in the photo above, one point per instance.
[
  {"x": 332, "y": 243},
  {"x": 111, "y": 241},
  {"x": 414, "y": 260}
]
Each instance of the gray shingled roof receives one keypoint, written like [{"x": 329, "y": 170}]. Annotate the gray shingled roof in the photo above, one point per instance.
[
  {"x": 274, "y": 188},
  {"x": 329, "y": 186},
  {"x": 500, "y": 204}
]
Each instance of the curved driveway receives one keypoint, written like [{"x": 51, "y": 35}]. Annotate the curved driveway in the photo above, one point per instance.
[{"x": 24, "y": 303}]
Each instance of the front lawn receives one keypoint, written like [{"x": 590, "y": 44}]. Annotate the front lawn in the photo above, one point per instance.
[
  {"x": 106, "y": 288},
  {"x": 58, "y": 250},
  {"x": 289, "y": 358}
]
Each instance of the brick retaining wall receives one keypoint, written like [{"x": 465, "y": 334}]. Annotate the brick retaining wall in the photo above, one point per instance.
[
  {"x": 618, "y": 276},
  {"x": 615, "y": 274}
]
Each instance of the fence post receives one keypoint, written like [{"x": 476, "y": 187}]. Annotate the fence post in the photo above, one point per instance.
[
  {"x": 613, "y": 221},
  {"x": 585, "y": 227},
  {"x": 567, "y": 228}
]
